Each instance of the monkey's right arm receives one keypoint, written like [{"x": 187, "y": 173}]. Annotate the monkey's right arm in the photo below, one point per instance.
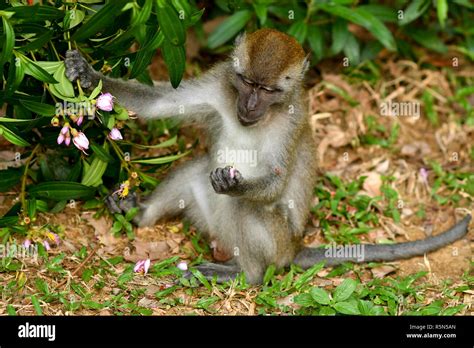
[{"x": 190, "y": 99}]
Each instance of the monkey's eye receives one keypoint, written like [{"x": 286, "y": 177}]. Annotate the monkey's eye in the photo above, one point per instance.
[
  {"x": 246, "y": 80},
  {"x": 271, "y": 89}
]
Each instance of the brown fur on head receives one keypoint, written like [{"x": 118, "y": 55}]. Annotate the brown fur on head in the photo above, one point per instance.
[
  {"x": 267, "y": 54},
  {"x": 268, "y": 66}
]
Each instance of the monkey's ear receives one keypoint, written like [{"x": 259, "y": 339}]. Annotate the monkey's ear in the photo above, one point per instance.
[
  {"x": 306, "y": 63},
  {"x": 240, "y": 38}
]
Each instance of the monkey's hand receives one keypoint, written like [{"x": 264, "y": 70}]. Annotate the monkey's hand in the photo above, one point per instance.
[
  {"x": 226, "y": 180},
  {"x": 118, "y": 205},
  {"x": 77, "y": 67}
]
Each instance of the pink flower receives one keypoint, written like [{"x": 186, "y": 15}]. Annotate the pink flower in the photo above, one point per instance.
[
  {"x": 60, "y": 138},
  {"x": 65, "y": 129},
  {"x": 67, "y": 141},
  {"x": 56, "y": 239},
  {"x": 105, "y": 102},
  {"x": 424, "y": 175},
  {"x": 26, "y": 243},
  {"x": 81, "y": 141},
  {"x": 79, "y": 120},
  {"x": 142, "y": 266},
  {"x": 46, "y": 245},
  {"x": 115, "y": 134}
]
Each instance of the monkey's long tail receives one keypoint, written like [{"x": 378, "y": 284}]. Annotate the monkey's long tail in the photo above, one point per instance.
[{"x": 382, "y": 252}]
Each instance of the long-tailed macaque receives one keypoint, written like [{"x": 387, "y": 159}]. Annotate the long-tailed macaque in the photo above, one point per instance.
[{"x": 252, "y": 191}]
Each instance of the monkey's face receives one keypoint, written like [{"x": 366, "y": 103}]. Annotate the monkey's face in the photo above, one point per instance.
[
  {"x": 268, "y": 66},
  {"x": 254, "y": 99}
]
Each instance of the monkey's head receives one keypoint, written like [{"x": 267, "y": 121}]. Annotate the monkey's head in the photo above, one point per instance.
[{"x": 268, "y": 66}]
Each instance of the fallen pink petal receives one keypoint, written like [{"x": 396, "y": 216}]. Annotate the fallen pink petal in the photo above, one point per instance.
[{"x": 183, "y": 266}]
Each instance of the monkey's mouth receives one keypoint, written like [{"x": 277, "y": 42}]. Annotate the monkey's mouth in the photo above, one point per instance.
[{"x": 244, "y": 121}]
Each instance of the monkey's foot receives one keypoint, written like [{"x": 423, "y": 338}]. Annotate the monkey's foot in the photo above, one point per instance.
[
  {"x": 222, "y": 272},
  {"x": 225, "y": 180},
  {"x": 118, "y": 205},
  {"x": 77, "y": 67}
]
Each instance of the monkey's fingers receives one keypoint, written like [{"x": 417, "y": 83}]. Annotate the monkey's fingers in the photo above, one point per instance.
[
  {"x": 117, "y": 205},
  {"x": 77, "y": 67}
]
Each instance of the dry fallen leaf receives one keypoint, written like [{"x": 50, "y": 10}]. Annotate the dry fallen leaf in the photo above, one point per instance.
[
  {"x": 382, "y": 271},
  {"x": 372, "y": 184},
  {"x": 147, "y": 250}
]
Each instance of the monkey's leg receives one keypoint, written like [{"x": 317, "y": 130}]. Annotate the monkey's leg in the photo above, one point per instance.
[
  {"x": 182, "y": 191},
  {"x": 257, "y": 236}
]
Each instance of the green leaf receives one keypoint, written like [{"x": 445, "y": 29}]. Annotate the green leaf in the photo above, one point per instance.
[
  {"x": 39, "y": 108},
  {"x": 31, "y": 207},
  {"x": 143, "y": 14},
  {"x": 344, "y": 290},
  {"x": 9, "y": 178},
  {"x": 304, "y": 300},
  {"x": 36, "y": 13},
  {"x": 160, "y": 160},
  {"x": 167, "y": 143},
  {"x": 50, "y": 67},
  {"x": 339, "y": 35},
  {"x": 349, "y": 308},
  {"x": 63, "y": 88},
  {"x": 12, "y": 137},
  {"x": 320, "y": 296},
  {"x": 170, "y": 23},
  {"x": 16, "y": 73},
  {"x": 427, "y": 38},
  {"x": 100, "y": 20},
  {"x": 96, "y": 90},
  {"x": 142, "y": 60},
  {"x": 40, "y": 41},
  {"x": 269, "y": 274},
  {"x": 299, "y": 30},
  {"x": 430, "y": 111},
  {"x": 101, "y": 152},
  {"x": 382, "y": 12},
  {"x": 442, "y": 11},
  {"x": 131, "y": 213},
  {"x": 316, "y": 41},
  {"x": 93, "y": 172},
  {"x": 261, "y": 10},
  {"x": 229, "y": 28},
  {"x": 11, "y": 310},
  {"x": 352, "y": 50},
  {"x": 8, "y": 42},
  {"x": 308, "y": 275},
  {"x": 201, "y": 278},
  {"x": 364, "y": 19},
  {"x": 33, "y": 69},
  {"x": 36, "y": 305},
  {"x": 414, "y": 10},
  {"x": 61, "y": 190},
  {"x": 175, "y": 59}
]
